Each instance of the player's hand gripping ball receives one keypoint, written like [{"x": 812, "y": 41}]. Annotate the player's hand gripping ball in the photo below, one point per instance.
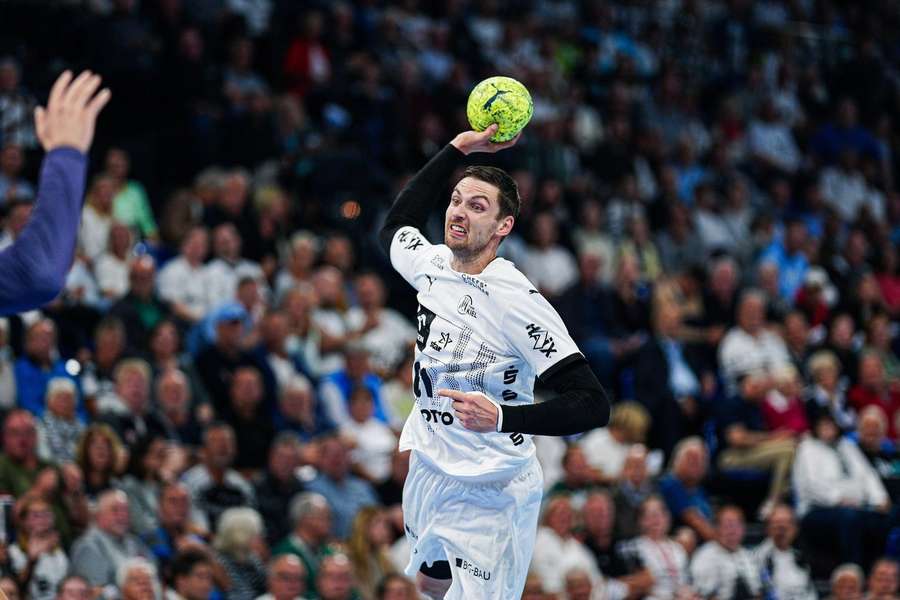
[{"x": 500, "y": 100}]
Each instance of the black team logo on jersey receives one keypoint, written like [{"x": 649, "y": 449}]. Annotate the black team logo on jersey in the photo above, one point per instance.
[
  {"x": 430, "y": 281},
  {"x": 415, "y": 242},
  {"x": 465, "y": 307},
  {"x": 424, "y": 317},
  {"x": 542, "y": 340},
  {"x": 442, "y": 343}
]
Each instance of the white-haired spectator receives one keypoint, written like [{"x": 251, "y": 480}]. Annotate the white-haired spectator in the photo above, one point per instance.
[
  {"x": 722, "y": 568},
  {"x": 749, "y": 346},
  {"x": 238, "y": 541},
  {"x": 137, "y": 580},
  {"x": 304, "y": 250},
  {"x": 182, "y": 282},
  {"x": 102, "y": 550},
  {"x": 847, "y": 582},
  {"x": 60, "y": 428},
  {"x": 311, "y": 517},
  {"x": 828, "y": 392},
  {"x": 556, "y": 549},
  {"x": 871, "y": 436}
]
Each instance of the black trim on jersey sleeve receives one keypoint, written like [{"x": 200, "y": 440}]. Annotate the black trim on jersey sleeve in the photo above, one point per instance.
[
  {"x": 417, "y": 198},
  {"x": 581, "y": 403}
]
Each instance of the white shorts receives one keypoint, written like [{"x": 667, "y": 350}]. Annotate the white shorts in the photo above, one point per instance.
[{"x": 485, "y": 531}]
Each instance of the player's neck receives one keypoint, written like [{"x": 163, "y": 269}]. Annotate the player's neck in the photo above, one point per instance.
[{"x": 472, "y": 264}]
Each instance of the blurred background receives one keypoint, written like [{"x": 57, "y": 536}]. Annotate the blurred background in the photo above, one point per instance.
[{"x": 709, "y": 200}]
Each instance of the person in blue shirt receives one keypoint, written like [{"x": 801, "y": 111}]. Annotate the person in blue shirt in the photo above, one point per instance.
[
  {"x": 790, "y": 257},
  {"x": 682, "y": 490},
  {"x": 34, "y": 268}
]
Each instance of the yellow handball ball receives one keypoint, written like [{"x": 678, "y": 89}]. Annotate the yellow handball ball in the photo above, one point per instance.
[{"x": 500, "y": 100}]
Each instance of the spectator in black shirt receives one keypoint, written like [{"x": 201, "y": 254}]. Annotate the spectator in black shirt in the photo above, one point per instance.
[
  {"x": 252, "y": 426},
  {"x": 278, "y": 485}
]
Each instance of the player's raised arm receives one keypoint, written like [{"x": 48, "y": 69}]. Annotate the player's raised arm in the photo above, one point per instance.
[
  {"x": 417, "y": 198},
  {"x": 33, "y": 270}
]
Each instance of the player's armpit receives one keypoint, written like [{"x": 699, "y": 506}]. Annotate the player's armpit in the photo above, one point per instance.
[{"x": 581, "y": 403}]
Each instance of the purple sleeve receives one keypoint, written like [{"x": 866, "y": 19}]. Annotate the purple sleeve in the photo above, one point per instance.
[{"x": 33, "y": 270}]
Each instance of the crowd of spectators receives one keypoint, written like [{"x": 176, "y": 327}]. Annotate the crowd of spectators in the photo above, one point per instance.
[{"x": 210, "y": 409}]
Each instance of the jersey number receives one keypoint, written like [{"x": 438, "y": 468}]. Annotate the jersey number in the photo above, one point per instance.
[{"x": 421, "y": 373}]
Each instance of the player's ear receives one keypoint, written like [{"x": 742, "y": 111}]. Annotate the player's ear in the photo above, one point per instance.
[{"x": 504, "y": 227}]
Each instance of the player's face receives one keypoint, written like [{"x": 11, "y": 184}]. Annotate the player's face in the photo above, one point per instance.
[{"x": 473, "y": 217}]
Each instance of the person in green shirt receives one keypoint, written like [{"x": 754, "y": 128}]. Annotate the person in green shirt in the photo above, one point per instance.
[
  {"x": 311, "y": 516},
  {"x": 130, "y": 205}
]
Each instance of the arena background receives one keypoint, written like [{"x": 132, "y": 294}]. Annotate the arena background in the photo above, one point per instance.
[{"x": 709, "y": 200}]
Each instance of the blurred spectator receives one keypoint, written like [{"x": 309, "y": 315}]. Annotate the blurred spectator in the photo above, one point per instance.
[
  {"x": 878, "y": 341},
  {"x": 383, "y": 331},
  {"x": 153, "y": 462},
  {"x": 97, "y": 218},
  {"x": 176, "y": 526},
  {"x": 771, "y": 143},
  {"x": 223, "y": 273},
  {"x": 10, "y": 588},
  {"x": 311, "y": 518},
  {"x": 247, "y": 416},
  {"x": 286, "y": 579},
  {"x": 548, "y": 266},
  {"x": 847, "y": 582},
  {"x": 280, "y": 366},
  {"x": 749, "y": 347},
  {"x": 39, "y": 364},
  {"x": 396, "y": 587},
  {"x": 630, "y": 491},
  {"x": 368, "y": 549},
  {"x": 178, "y": 421},
  {"x": 60, "y": 428},
  {"x": 345, "y": 493},
  {"x": 16, "y": 106},
  {"x": 107, "y": 546},
  {"x": 661, "y": 560},
  {"x": 590, "y": 238},
  {"x": 97, "y": 375},
  {"x": 299, "y": 268},
  {"x": 372, "y": 441},
  {"x": 883, "y": 579},
  {"x": 12, "y": 161},
  {"x": 600, "y": 520},
  {"x": 182, "y": 282},
  {"x": 101, "y": 457},
  {"x": 578, "y": 585},
  {"x": 329, "y": 317},
  {"x": 839, "y": 495},
  {"x": 111, "y": 267},
  {"x": 640, "y": 246},
  {"x": 335, "y": 579},
  {"x": 191, "y": 574},
  {"x": 137, "y": 580},
  {"x": 873, "y": 389},
  {"x": 556, "y": 550},
  {"x": 239, "y": 538},
  {"x": 679, "y": 247},
  {"x": 747, "y": 443},
  {"x": 37, "y": 558},
  {"x": 130, "y": 204},
  {"x": 828, "y": 392},
  {"x": 299, "y": 411},
  {"x": 783, "y": 567},
  {"x": 7, "y": 368},
  {"x": 668, "y": 381},
  {"x": 722, "y": 568},
  {"x": 790, "y": 257},
  {"x": 579, "y": 478},
  {"x": 279, "y": 484},
  {"x": 796, "y": 338},
  {"x": 871, "y": 436},
  {"x": 166, "y": 354},
  {"x": 214, "y": 485},
  {"x": 18, "y": 212},
  {"x": 783, "y": 409},
  {"x": 682, "y": 489},
  {"x": 336, "y": 389},
  {"x": 141, "y": 309},
  {"x": 128, "y": 411},
  {"x": 73, "y": 587}
]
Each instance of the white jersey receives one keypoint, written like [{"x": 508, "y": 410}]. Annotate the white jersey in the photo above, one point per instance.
[{"x": 492, "y": 333}]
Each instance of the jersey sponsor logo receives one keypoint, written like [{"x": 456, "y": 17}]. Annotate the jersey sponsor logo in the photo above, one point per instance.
[
  {"x": 412, "y": 241},
  {"x": 509, "y": 375},
  {"x": 517, "y": 439},
  {"x": 466, "y": 308},
  {"x": 443, "y": 342},
  {"x": 438, "y": 262},
  {"x": 431, "y": 281},
  {"x": 424, "y": 317},
  {"x": 468, "y": 567},
  {"x": 543, "y": 341},
  {"x": 437, "y": 416},
  {"x": 475, "y": 283},
  {"x": 509, "y": 395}
]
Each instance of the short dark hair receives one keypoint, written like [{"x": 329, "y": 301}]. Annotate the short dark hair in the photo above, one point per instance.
[
  {"x": 508, "y": 195},
  {"x": 185, "y": 562}
]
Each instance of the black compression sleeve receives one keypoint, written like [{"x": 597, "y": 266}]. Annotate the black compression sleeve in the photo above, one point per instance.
[
  {"x": 415, "y": 201},
  {"x": 581, "y": 404}
]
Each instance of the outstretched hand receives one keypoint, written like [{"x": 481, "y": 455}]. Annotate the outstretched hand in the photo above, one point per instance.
[
  {"x": 474, "y": 410},
  {"x": 468, "y": 142},
  {"x": 71, "y": 112}
]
